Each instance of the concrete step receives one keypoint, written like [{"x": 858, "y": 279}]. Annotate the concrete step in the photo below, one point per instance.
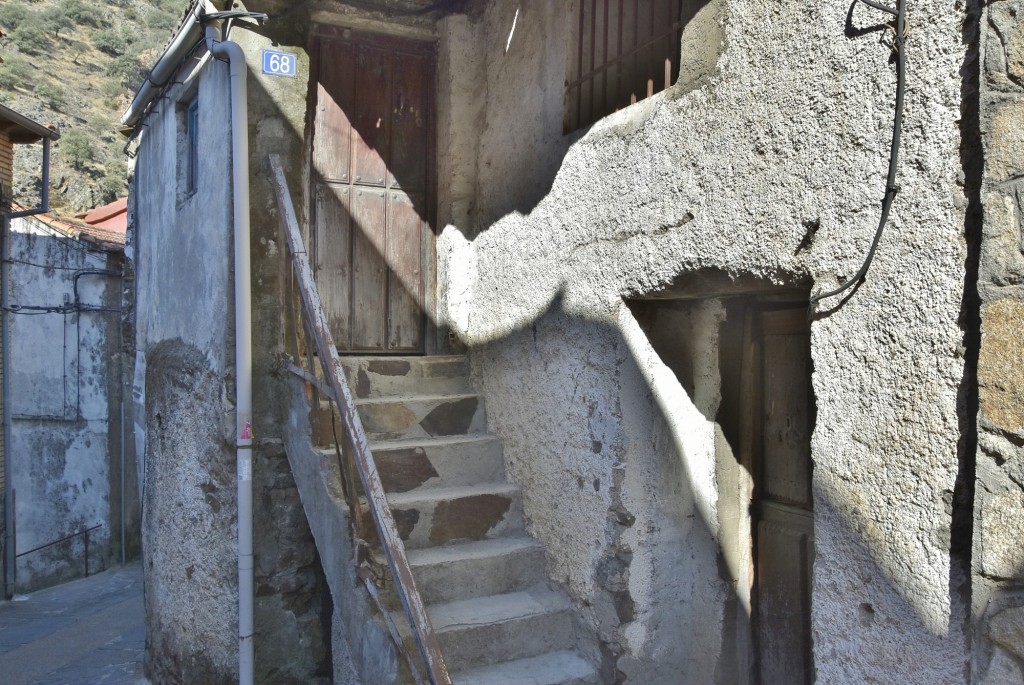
[
  {"x": 421, "y": 416},
  {"x": 475, "y": 569},
  {"x": 488, "y": 630},
  {"x": 383, "y": 376},
  {"x": 427, "y": 517},
  {"x": 554, "y": 668}
]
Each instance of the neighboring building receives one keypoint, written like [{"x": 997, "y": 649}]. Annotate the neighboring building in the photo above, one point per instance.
[
  {"x": 15, "y": 129},
  {"x": 620, "y": 211},
  {"x": 76, "y": 488}
]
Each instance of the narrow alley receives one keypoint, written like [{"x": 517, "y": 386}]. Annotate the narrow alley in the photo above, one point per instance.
[{"x": 86, "y": 632}]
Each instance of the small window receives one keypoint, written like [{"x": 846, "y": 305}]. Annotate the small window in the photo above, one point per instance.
[
  {"x": 192, "y": 147},
  {"x": 626, "y": 50}
]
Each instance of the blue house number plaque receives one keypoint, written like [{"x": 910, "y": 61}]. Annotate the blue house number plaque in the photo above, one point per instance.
[{"x": 277, "y": 63}]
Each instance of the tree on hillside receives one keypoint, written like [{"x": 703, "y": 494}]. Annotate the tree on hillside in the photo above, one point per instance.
[
  {"x": 56, "y": 19},
  {"x": 76, "y": 148}
]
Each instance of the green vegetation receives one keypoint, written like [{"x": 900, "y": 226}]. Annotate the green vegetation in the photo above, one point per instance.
[
  {"x": 75, "y": 64},
  {"x": 12, "y": 15},
  {"x": 75, "y": 147},
  {"x": 51, "y": 94},
  {"x": 15, "y": 73},
  {"x": 111, "y": 41},
  {"x": 30, "y": 37}
]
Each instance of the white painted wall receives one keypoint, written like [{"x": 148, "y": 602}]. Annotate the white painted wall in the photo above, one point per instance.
[{"x": 65, "y": 457}]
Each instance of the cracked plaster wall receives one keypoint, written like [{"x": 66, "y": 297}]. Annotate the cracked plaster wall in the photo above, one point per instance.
[
  {"x": 65, "y": 381},
  {"x": 790, "y": 127}
]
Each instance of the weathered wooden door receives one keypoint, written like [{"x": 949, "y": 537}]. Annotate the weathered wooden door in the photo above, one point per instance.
[
  {"x": 783, "y": 505},
  {"x": 372, "y": 162}
]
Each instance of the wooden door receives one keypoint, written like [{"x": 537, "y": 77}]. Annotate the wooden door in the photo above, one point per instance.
[
  {"x": 372, "y": 162},
  {"x": 782, "y": 511}
]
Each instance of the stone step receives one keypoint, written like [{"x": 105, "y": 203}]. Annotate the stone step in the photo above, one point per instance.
[
  {"x": 428, "y": 517},
  {"x": 421, "y": 416},
  {"x": 497, "y": 628},
  {"x": 475, "y": 569},
  {"x": 439, "y": 462},
  {"x": 383, "y": 376},
  {"x": 436, "y": 462},
  {"x": 554, "y": 668}
]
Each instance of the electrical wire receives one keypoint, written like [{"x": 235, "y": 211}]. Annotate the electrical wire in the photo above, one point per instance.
[{"x": 891, "y": 189}]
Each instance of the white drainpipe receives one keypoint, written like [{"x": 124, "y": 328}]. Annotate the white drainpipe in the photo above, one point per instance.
[{"x": 243, "y": 341}]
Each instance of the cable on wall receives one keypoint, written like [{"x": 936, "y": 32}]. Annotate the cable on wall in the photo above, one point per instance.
[{"x": 898, "y": 45}]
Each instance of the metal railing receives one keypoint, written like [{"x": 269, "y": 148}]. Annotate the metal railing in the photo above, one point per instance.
[
  {"x": 84, "y": 532},
  {"x": 394, "y": 550}
]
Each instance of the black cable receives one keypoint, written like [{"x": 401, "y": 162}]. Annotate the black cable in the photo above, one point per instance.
[{"x": 890, "y": 183}]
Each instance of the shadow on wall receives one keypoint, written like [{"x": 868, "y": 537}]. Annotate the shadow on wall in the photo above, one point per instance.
[{"x": 639, "y": 454}]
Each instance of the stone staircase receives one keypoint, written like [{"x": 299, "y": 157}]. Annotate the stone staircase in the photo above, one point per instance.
[{"x": 481, "y": 575}]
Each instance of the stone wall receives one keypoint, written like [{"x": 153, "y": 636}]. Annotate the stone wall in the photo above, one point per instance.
[{"x": 998, "y": 564}]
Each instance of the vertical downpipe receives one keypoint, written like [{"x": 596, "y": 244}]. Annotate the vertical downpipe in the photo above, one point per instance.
[{"x": 243, "y": 341}]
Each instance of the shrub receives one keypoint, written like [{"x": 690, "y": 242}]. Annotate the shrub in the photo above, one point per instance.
[
  {"x": 111, "y": 88},
  {"x": 51, "y": 94},
  {"x": 111, "y": 41},
  {"x": 12, "y": 15},
  {"x": 80, "y": 13},
  {"x": 76, "y": 148},
  {"x": 161, "y": 21},
  {"x": 126, "y": 70},
  {"x": 30, "y": 38},
  {"x": 112, "y": 186},
  {"x": 15, "y": 73},
  {"x": 56, "y": 20}
]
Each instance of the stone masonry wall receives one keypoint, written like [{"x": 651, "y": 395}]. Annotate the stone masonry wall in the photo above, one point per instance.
[{"x": 998, "y": 561}]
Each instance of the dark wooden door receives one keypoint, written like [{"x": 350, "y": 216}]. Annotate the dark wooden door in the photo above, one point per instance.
[
  {"x": 783, "y": 505},
  {"x": 372, "y": 158}
]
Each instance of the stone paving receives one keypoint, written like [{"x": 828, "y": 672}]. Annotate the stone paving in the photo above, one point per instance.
[{"x": 87, "y": 632}]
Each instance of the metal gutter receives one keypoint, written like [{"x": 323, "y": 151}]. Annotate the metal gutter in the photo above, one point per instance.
[{"x": 188, "y": 35}]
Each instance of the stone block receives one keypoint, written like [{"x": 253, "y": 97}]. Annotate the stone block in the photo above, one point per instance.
[
  {"x": 1002, "y": 261},
  {"x": 1005, "y": 149},
  {"x": 1006, "y": 629},
  {"x": 1002, "y": 519},
  {"x": 1001, "y": 364},
  {"x": 1003, "y": 670},
  {"x": 1005, "y": 51}
]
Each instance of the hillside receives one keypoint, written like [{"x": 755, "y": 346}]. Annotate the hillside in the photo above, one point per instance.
[{"x": 76, "y": 64}]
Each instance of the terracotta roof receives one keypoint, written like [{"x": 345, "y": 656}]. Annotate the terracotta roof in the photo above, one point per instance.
[
  {"x": 110, "y": 217},
  {"x": 102, "y": 238}
]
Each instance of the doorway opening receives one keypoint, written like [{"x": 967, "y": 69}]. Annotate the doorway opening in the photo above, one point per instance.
[{"x": 764, "y": 411}]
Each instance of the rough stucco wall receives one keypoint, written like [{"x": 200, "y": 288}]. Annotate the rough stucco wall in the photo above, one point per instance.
[
  {"x": 66, "y": 465},
  {"x": 191, "y": 601},
  {"x": 998, "y": 558},
  {"x": 182, "y": 261},
  {"x": 792, "y": 128},
  {"x": 185, "y": 300}
]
